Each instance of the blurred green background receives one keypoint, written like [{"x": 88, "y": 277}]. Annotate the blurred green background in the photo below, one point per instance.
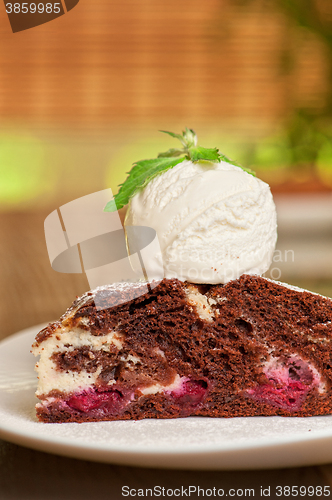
[
  {"x": 90, "y": 90},
  {"x": 83, "y": 97}
]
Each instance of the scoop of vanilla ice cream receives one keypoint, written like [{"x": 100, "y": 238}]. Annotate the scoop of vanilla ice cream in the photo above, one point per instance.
[{"x": 214, "y": 222}]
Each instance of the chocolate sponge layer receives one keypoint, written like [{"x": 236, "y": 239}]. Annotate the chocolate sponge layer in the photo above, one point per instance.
[{"x": 251, "y": 347}]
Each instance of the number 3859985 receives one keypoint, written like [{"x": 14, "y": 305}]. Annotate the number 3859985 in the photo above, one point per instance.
[{"x": 27, "y": 7}]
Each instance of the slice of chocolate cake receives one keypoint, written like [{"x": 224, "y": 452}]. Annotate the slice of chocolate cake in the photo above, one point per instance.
[{"x": 250, "y": 347}]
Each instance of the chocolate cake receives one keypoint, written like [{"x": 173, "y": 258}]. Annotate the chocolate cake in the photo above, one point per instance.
[{"x": 250, "y": 347}]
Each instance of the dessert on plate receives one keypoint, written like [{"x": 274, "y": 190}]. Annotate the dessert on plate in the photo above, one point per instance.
[{"x": 213, "y": 337}]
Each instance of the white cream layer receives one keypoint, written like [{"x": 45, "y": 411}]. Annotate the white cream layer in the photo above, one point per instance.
[
  {"x": 155, "y": 388},
  {"x": 64, "y": 340},
  {"x": 201, "y": 303}
]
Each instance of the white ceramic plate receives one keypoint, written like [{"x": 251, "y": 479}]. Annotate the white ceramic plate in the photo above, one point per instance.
[{"x": 189, "y": 443}]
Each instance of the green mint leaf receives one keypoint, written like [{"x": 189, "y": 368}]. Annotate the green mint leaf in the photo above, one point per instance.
[
  {"x": 145, "y": 170},
  {"x": 176, "y": 136},
  {"x": 197, "y": 153},
  {"x": 248, "y": 170},
  {"x": 232, "y": 162},
  {"x": 228, "y": 160},
  {"x": 139, "y": 176},
  {"x": 190, "y": 137},
  {"x": 171, "y": 153}
]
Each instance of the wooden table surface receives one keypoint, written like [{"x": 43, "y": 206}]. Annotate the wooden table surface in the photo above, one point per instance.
[{"x": 32, "y": 293}]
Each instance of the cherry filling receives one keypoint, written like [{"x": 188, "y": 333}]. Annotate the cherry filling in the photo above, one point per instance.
[
  {"x": 191, "y": 392},
  {"x": 287, "y": 398},
  {"x": 95, "y": 401},
  {"x": 289, "y": 381},
  {"x": 90, "y": 400}
]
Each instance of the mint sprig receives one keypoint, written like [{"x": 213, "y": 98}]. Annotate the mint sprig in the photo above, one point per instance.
[
  {"x": 145, "y": 170},
  {"x": 139, "y": 176}
]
